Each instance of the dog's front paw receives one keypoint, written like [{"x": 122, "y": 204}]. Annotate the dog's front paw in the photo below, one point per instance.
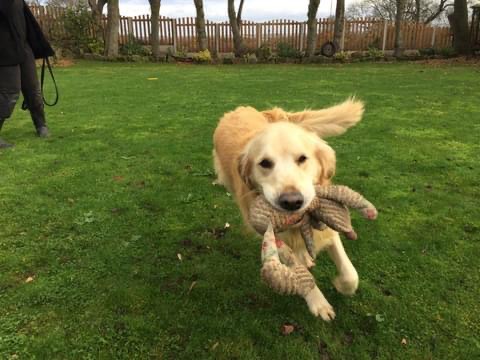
[
  {"x": 346, "y": 285},
  {"x": 319, "y": 306},
  {"x": 325, "y": 311}
]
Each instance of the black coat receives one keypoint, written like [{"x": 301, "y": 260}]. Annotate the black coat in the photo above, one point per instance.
[{"x": 17, "y": 27}]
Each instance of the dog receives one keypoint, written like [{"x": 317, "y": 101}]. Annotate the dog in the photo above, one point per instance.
[{"x": 282, "y": 155}]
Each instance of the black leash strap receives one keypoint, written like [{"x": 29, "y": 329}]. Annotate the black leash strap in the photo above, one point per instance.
[{"x": 42, "y": 79}]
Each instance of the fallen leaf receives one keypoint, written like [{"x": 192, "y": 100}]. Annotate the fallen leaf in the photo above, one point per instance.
[
  {"x": 140, "y": 184},
  {"x": 379, "y": 318},
  {"x": 214, "y": 346},
  {"x": 404, "y": 341},
  {"x": 29, "y": 279},
  {"x": 70, "y": 200},
  {"x": 154, "y": 78},
  {"x": 179, "y": 256},
  {"x": 118, "y": 178},
  {"x": 287, "y": 329},
  {"x": 227, "y": 225},
  {"x": 228, "y": 194}
]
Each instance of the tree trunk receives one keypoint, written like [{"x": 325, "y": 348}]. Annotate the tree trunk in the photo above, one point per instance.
[
  {"x": 417, "y": 11},
  {"x": 200, "y": 26},
  {"x": 97, "y": 13},
  {"x": 461, "y": 34},
  {"x": 113, "y": 22},
  {"x": 339, "y": 24},
  {"x": 312, "y": 27},
  {"x": 235, "y": 25},
  {"x": 155, "y": 35},
  {"x": 398, "y": 51}
]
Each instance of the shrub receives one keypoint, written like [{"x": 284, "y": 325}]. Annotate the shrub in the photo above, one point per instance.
[
  {"x": 427, "y": 52},
  {"x": 285, "y": 50},
  {"x": 134, "y": 47},
  {"x": 447, "y": 52},
  {"x": 78, "y": 24},
  {"x": 203, "y": 57},
  {"x": 375, "y": 54},
  {"x": 342, "y": 56},
  {"x": 95, "y": 47},
  {"x": 264, "y": 52}
]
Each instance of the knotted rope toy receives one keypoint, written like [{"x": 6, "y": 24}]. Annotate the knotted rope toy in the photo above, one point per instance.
[{"x": 328, "y": 208}]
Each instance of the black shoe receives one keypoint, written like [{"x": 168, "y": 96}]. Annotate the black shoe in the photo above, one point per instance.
[
  {"x": 43, "y": 132},
  {"x": 4, "y": 144}
]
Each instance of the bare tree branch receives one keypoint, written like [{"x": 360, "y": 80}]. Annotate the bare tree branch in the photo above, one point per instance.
[{"x": 239, "y": 13}]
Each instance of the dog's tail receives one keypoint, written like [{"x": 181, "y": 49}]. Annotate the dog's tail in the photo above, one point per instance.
[{"x": 331, "y": 121}]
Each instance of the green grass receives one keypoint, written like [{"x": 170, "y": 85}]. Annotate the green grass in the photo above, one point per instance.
[{"x": 97, "y": 214}]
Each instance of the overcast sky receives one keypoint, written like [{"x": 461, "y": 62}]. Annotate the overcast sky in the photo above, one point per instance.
[{"x": 217, "y": 9}]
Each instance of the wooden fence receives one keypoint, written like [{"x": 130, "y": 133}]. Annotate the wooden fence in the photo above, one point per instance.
[{"x": 359, "y": 34}]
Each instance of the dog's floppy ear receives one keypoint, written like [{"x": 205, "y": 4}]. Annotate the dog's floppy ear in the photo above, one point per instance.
[
  {"x": 327, "y": 159},
  {"x": 331, "y": 121},
  {"x": 244, "y": 167}
]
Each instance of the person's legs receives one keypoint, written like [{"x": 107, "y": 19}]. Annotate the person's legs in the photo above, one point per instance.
[
  {"x": 9, "y": 92},
  {"x": 32, "y": 93}
]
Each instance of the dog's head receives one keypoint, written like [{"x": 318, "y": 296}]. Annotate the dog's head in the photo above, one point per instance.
[{"x": 288, "y": 158}]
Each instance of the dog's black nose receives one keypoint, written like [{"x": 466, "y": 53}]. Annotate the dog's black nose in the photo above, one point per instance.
[{"x": 291, "y": 201}]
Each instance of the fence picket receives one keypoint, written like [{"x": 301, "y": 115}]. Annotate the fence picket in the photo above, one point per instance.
[{"x": 359, "y": 34}]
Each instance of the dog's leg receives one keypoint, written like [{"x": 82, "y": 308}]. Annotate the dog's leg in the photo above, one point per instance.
[
  {"x": 218, "y": 170},
  {"x": 318, "y": 304},
  {"x": 346, "y": 281}
]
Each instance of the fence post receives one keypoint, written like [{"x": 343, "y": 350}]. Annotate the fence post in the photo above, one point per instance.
[
  {"x": 302, "y": 35},
  {"x": 130, "y": 28},
  {"x": 342, "y": 42},
  {"x": 258, "y": 32},
  {"x": 217, "y": 38},
  {"x": 433, "y": 36},
  {"x": 385, "y": 23},
  {"x": 174, "y": 35}
]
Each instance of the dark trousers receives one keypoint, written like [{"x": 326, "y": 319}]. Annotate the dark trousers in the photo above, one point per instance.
[{"x": 21, "y": 77}]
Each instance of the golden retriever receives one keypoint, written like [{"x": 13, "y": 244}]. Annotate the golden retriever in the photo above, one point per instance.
[{"x": 282, "y": 155}]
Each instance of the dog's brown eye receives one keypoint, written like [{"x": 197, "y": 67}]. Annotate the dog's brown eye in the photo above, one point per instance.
[
  {"x": 302, "y": 159},
  {"x": 266, "y": 164}
]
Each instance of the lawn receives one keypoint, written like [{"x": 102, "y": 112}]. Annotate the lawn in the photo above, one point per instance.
[{"x": 112, "y": 238}]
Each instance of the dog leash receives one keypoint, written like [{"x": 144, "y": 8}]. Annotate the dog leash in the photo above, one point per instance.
[
  {"x": 46, "y": 62},
  {"x": 42, "y": 79}
]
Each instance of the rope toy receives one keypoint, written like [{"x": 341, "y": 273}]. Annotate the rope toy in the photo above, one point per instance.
[
  {"x": 328, "y": 208},
  {"x": 281, "y": 269}
]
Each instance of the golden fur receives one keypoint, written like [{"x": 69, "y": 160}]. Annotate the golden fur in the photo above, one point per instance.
[{"x": 246, "y": 136}]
